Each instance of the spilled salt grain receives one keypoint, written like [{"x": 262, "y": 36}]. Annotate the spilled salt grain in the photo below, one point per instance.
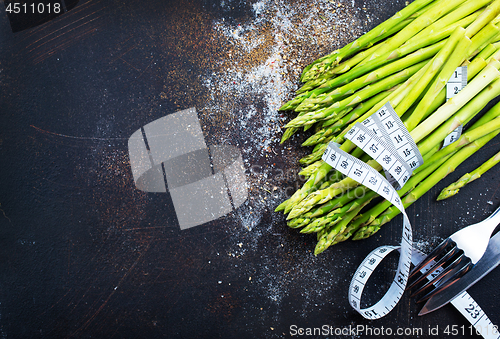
[{"x": 263, "y": 58}]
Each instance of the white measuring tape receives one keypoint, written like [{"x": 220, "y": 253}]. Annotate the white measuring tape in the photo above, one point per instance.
[
  {"x": 457, "y": 81},
  {"x": 384, "y": 137},
  {"x": 349, "y": 166},
  {"x": 476, "y": 316}
]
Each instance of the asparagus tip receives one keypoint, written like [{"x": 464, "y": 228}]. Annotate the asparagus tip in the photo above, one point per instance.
[
  {"x": 281, "y": 206},
  {"x": 445, "y": 194}
]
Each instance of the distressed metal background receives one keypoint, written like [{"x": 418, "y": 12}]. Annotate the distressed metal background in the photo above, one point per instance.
[{"x": 84, "y": 254}]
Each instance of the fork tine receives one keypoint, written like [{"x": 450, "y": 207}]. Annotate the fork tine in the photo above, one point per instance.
[
  {"x": 431, "y": 256},
  {"x": 442, "y": 277},
  {"x": 450, "y": 281},
  {"x": 437, "y": 265},
  {"x": 437, "y": 280}
]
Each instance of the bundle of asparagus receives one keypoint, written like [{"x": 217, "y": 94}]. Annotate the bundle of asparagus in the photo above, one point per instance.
[{"x": 406, "y": 61}]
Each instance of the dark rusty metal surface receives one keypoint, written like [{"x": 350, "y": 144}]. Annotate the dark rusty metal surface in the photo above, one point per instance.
[{"x": 85, "y": 254}]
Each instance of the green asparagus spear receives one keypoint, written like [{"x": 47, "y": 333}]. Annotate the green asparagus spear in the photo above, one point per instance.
[{"x": 453, "y": 189}]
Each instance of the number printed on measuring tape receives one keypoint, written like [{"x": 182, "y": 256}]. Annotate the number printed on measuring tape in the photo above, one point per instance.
[
  {"x": 453, "y": 136},
  {"x": 368, "y": 176},
  {"x": 384, "y": 137},
  {"x": 457, "y": 81},
  {"x": 466, "y": 305},
  {"x": 480, "y": 323}
]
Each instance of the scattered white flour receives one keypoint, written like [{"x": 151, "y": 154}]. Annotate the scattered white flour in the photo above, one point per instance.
[
  {"x": 265, "y": 57},
  {"x": 263, "y": 61}
]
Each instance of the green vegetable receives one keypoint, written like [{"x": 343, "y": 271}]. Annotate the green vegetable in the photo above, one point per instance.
[{"x": 407, "y": 62}]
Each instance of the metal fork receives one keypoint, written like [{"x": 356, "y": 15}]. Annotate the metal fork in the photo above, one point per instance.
[{"x": 451, "y": 259}]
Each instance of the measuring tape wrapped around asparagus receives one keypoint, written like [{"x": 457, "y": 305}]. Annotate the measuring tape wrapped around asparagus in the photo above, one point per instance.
[{"x": 418, "y": 51}]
